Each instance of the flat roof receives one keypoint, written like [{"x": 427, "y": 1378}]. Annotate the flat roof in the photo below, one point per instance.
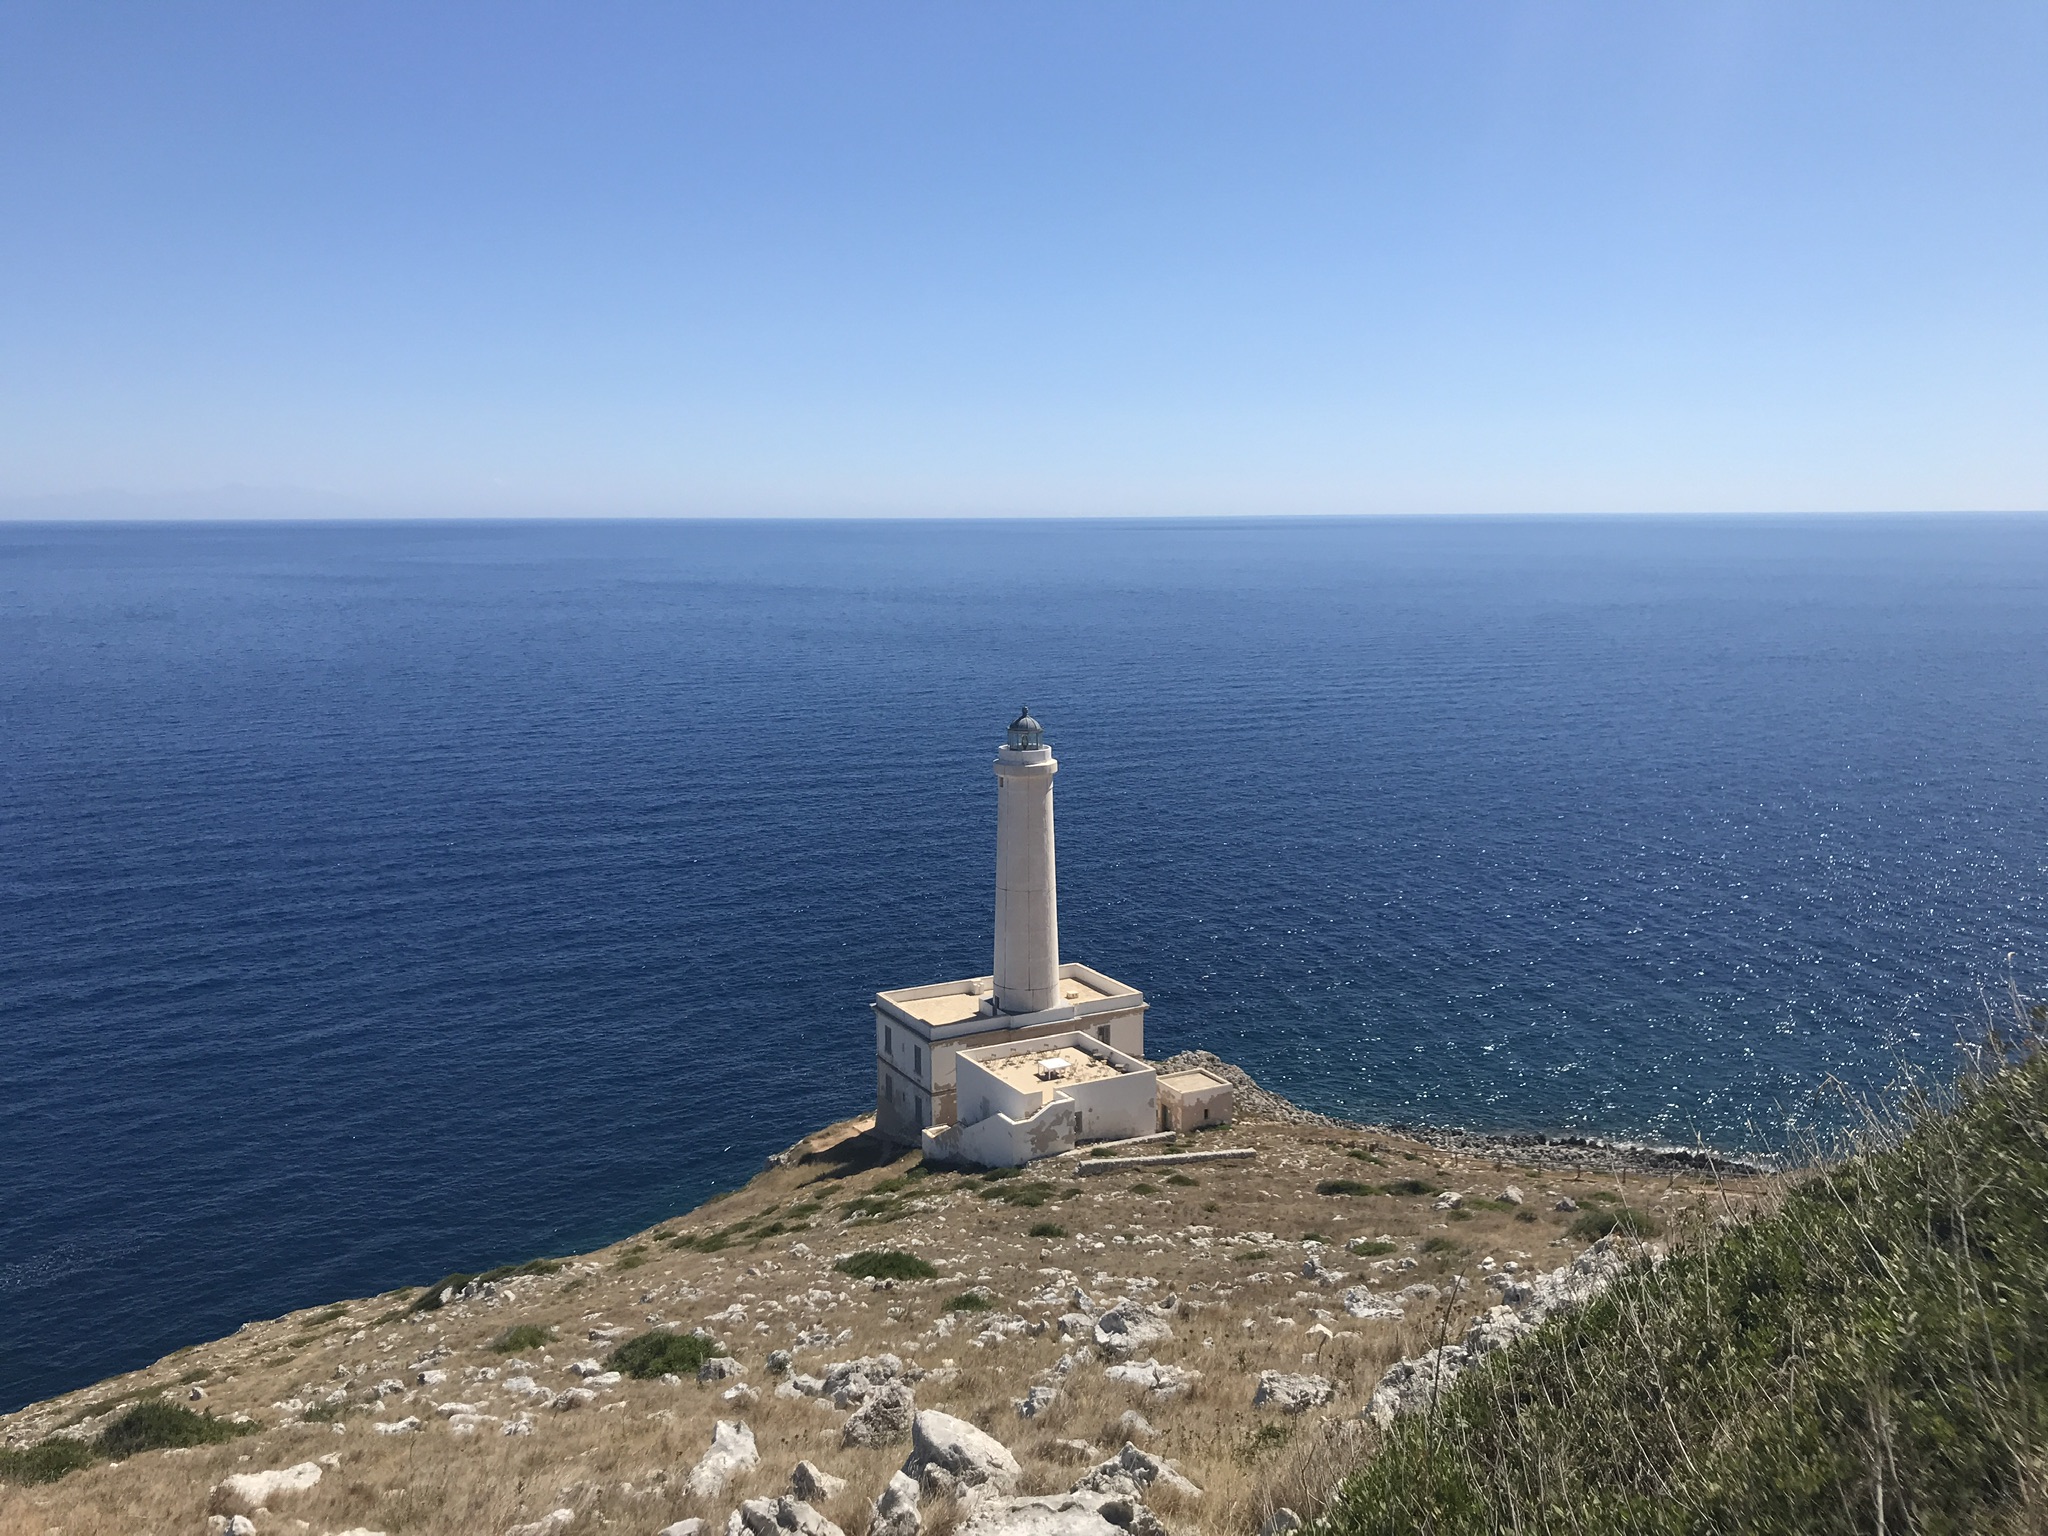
[
  {"x": 955, "y": 1002},
  {"x": 1192, "y": 1080},
  {"x": 1021, "y": 1070}
]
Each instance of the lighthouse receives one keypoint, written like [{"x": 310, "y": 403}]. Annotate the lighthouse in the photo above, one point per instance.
[
  {"x": 1031, "y": 993},
  {"x": 1027, "y": 974}
]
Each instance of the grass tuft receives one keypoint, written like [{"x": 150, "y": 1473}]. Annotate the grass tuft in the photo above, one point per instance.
[
  {"x": 970, "y": 1301},
  {"x": 522, "y": 1336},
  {"x": 1045, "y": 1229}
]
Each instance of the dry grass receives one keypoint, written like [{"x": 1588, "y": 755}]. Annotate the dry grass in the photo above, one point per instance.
[{"x": 770, "y": 1248}]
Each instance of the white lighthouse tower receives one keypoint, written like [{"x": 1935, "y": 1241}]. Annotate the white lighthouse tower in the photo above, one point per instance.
[
  {"x": 1027, "y": 976},
  {"x": 920, "y": 1031}
]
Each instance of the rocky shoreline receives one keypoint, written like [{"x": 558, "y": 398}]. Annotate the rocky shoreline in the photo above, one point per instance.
[{"x": 1563, "y": 1151}]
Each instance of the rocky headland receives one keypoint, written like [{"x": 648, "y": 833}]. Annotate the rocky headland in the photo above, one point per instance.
[{"x": 853, "y": 1343}]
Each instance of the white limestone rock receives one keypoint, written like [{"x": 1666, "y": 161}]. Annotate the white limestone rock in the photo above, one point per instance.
[
  {"x": 1160, "y": 1381},
  {"x": 896, "y": 1512},
  {"x": 883, "y": 1418},
  {"x": 720, "y": 1368},
  {"x": 251, "y": 1491},
  {"x": 1130, "y": 1326},
  {"x": 404, "y": 1426},
  {"x": 850, "y": 1381},
  {"x": 784, "y": 1517},
  {"x": 549, "y": 1524},
  {"x": 1291, "y": 1393},
  {"x": 1062, "y": 1514},
  {"x": 732, "y": 1452},
  {"x": 230, "y": 1525},
  {"x": 1039, "y": 1400},
  {"x": 957, "y": 1448},
  {"x": 813, "y": 1485},
  {"x": 690, "y": 1527},
  {"x": 1364, "y": 1302},
  {"x": 1135, "y": 1473}
]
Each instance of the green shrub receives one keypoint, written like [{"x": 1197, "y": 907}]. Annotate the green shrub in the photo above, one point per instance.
[
  {"x": 1366, "y": 1157},
  {"x": 886, "y": 1264},
  {"x": 45, "y": 1463},
  {"x": 970, "y": 1301},
  {"x": 1870, "y": 1355},
  {"x": 1030, "y": 1194},
  {"x": 661, "y": 1353},
  {"x": 158, "y": 1425},
  {"x": 1440, "y": 1245},
  {"x": 1591, "y": 1226},
  {"x": 1144, "y": 1189},
  {"x": 1045, "y": 1229},
  {"x": 632, "y": 1258},
  {"x": 1181, "y": 1181},
  {"x": 1371, "y": 1247},
  {"x": 1411, "y": 1187},
  {"x": 435, "y": 1295},
  {"x": 1345, "y": 1187},
  {"x": 522, "y": 1336}
]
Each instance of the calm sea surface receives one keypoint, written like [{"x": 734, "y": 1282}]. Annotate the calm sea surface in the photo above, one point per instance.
[{"x": 382, "y": 901}]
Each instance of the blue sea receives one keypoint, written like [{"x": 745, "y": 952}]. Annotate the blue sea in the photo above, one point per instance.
[{"x": 383, "y": 900}]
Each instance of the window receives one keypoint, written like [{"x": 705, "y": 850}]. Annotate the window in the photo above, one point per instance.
[
  {"x": 1102, "y": 1033},
  {"x": 889, "y": 1040},
  {"x": 917, "y": 1059}
]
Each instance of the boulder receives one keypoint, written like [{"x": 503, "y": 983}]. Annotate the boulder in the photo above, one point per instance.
[
  {"x": 1512, "y": 1195},
  {"x": 807, "y": 1482},
  {"x": 1162, "y": 1381},
  {"x": 404, "y": 1426},
  {"x": 883, "y": 1418},
  {"x": 720, "y": 1368},
  {"x": 849, "y": 1382},
  {"x": 251, "y": 1491},
  {"x": 1134, "y": 1473},
  {"x": 779, "y": 1362},
  {"x": 1292, "y": 1394},
  {"x": 1036, "y": 1402},
  {"x": 1363, "y": 1301},
  {"x": 956, "y": 1447},
  {"x": 784, "y": 1517},
  {"x": 690, "y": 1527},
  {"x": 1130, "y": 1326},
  {"x": 231, "y": 1525},
  {"x": 1449, "y": 1200},
  {"x": 1282, "y": 1522},
  {"x": 1567, "y": 1204},
  {"x": 547, "y": 1525},
  {"x": 1061, "y": 1514},
  {"x": 896, "y": 1510},
  {"x": 732, "y": 1452}
]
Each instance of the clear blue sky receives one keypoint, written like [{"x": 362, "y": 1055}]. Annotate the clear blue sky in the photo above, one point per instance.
[{"x": 1022, "y": 257}]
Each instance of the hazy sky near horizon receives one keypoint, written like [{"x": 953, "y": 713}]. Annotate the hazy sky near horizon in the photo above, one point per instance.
[{"x": 1087, "y": 257}]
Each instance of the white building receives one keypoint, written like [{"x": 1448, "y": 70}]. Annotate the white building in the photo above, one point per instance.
[
  {"x": 1032, "y": 1098},
  {"x": 927, "y": 1037}
]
